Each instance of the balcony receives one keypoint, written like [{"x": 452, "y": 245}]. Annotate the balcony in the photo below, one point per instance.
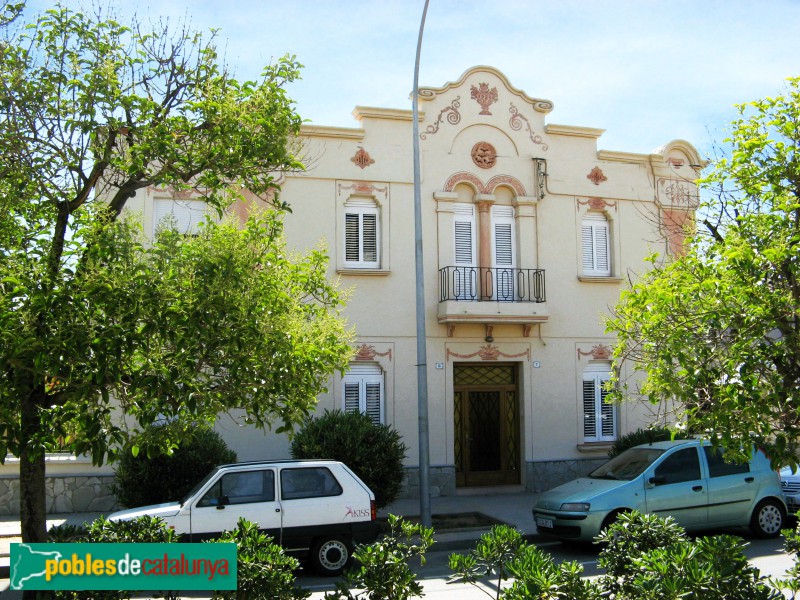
[{"x": 496, "y": 295}]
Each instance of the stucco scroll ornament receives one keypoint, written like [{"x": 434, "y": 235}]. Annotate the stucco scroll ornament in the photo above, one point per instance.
[
  {"x": 518, "y": 121},
  {"x": 453, "y": 117},
  {"x": 484, "y": 96},
  {"x": 488, "y": 352}
]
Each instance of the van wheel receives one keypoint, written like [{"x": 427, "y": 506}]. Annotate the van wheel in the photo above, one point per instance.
[
  {"x": 329, "y": 556},
  {"x": 769, "y": 517}
]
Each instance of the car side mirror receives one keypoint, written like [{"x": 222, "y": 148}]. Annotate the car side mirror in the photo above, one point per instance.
[
  {"x": 657, "y": 480},
  {"x": 222, "y": 502}
]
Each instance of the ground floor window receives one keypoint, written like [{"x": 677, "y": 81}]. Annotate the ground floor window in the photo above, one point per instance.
[
  {"x": 362, "y": 390},
  {"x": 599, "y": 416}
]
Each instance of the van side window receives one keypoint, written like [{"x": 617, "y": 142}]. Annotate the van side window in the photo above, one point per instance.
[
  {"x": 308, "y": 482},
  {"x": 683, "y": 465},
  {"x": 717, "y": 467},
  {"x": 241, "y": 487}
]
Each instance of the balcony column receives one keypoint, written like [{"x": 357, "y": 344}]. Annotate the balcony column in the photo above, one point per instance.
[
  {"x": 484, "y": 203},
  {"x": 527, "y": 239}
]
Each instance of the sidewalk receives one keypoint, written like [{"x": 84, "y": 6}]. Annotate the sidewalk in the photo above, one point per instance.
[{"x": 511, "y": 508}]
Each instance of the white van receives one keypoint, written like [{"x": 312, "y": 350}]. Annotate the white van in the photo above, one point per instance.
[{"x": 316, "y": 509}]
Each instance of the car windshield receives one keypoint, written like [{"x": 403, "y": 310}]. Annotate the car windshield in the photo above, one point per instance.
[
  {"x": 194, "y": 490},
  {"x": 627, "y": 465}
]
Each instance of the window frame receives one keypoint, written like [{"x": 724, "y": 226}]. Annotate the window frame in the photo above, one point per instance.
[
  {"x": 362, "y": 376},
  {"x": 183, "y": 211},
  {"x": 598, "y": 374},
  {"x": 596, "y": 237},
  {"x": 361, "y": 210}
]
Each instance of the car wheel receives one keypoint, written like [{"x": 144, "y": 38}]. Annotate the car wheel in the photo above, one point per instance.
[
  {"x": 610, "y": 519},
  {"x": 330, "y": 556},
  {"x": 769, "y": 517}
]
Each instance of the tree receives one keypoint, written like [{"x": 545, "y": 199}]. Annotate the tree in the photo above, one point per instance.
[
  {"x": 97, "y": 323},
  {"x": 716, "y": 329}
]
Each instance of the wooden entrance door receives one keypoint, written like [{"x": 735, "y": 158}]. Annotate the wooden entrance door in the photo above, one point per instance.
[{"x": 486, "y": 413}]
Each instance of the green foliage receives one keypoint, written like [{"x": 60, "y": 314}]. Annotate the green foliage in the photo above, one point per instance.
[
  {"x": 263, "y": 570},
  {"x": 645, "y": 436},
  {"x": 145, "y": 529},
  {"x": 502, "y": 553},
  {"x": 374, "y": 452},
  {"x": 383, "y": 572},
  {"x": 647, "y": 557},
  {"x": 93, "y": 110},
  {"x": 141, "y": 480},
  {"x": 715, "y": 330},
  {"x": 791, "y": 582}
]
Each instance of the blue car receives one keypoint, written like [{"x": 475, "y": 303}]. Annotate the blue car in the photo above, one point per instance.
[{"x": 685, "y": 479}]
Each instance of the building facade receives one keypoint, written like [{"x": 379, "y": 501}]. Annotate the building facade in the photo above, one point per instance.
[{"x": 529, "y": 234}]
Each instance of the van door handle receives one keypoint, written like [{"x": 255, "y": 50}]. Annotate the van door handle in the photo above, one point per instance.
[
  {"x": 697, "y": 488},
  {"x": 220, "y": 507},
  {"x": 749, "y": 479}
]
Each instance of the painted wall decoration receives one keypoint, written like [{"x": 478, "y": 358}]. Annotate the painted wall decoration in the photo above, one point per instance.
[
  {"x": 488, "y": 352},
  {"x": 452, "y": 115},
  {"x": 484, "y": 96},
  {"x": 518, "y": 121},
  {"x": 596, "y": 176},
  {"x": 362, "y": 159}
]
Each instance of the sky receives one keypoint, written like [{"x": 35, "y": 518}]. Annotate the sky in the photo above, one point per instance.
[{"x": 646, "y": 71}]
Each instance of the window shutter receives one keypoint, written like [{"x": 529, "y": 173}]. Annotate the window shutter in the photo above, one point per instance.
[
  {"x": 370, "y": 234},
  {"x": 596, "y": 258},
  {"x": 185, "y": 215},
  {"x": 363, "y": 390},
  {"x": 361, "y": 234},
  {"x": 373, "y": 401},
  {"x": 599, "y": 416},
  {"x": 352, "y": 237},
  {"x": 351, "y": 397},
  {"x": 589, "y": 410}
]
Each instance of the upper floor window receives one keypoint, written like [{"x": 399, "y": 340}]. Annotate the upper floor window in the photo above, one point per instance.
[
  {"x": 362, "y": 390},
  {"x": 596, "y": 249},
  {"x": 184, "y": 215},
  {"x": 361, "y": 235},
  {"x": 599, "y": 416}
]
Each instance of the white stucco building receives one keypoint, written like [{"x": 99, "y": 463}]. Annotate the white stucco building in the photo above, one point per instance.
[{"x": 530, "y": 232}]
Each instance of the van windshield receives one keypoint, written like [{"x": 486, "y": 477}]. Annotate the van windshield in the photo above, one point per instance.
[
  {"x": 196, "y": 488},
  {"x": 627, "y": 465}
]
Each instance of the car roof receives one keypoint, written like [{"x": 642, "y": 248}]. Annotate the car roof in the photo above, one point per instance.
[
  {"x": 292, "y": 461},
  {"x": 666, "y": 445}
]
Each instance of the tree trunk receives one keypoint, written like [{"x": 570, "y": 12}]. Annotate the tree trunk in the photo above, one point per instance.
[{"x": 32, "y": 489}]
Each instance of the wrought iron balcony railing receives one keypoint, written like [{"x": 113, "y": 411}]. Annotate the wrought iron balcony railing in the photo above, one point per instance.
[{"x": 479, "y": 284}]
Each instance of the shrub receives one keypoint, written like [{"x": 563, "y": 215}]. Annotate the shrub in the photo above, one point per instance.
[
  {"x": 383, "y": 572},
  {"x": 646, "y": 436},
  {"x": 650, "y": 558},
  {"x": 374, "y": 452},
  {"x": 503, "y": 553},
  {"x": 263, "y": 570},
  {"x": 145, "y": 529},
  {"x": 139, "y": 480}
]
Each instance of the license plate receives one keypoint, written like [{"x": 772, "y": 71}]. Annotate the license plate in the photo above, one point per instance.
[{"x": 546, "y": 523}]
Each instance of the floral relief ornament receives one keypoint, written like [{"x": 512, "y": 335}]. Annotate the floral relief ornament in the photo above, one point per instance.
[
  {"x": 484, "y": 96},
  {"x": 484, "y": 155},
  {"x": 596, "y": 176}
]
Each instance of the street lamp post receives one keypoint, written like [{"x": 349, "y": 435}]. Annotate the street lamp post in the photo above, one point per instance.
[{"x": 422, "y": 360}]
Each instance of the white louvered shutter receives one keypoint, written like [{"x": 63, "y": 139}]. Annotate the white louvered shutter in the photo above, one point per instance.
[
  {"x": 504, "y": 245},
  {"x": 184, "y": 215},
  {"x": 595, "y": 245},
  {"x": 599, "y": 416},
  {"x": 361, "y": 235},
  {"x": 465, "y": 276},
  {"x": 362, "y": 390}
]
